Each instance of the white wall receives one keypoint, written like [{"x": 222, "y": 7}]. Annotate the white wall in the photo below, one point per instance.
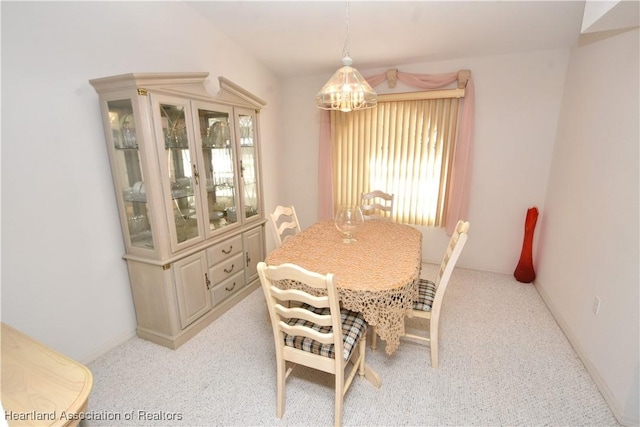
[
  {"x": 63, "y": 279},
  {"x": 589, "y": 233},
  {"x": 518, "y": 98}
]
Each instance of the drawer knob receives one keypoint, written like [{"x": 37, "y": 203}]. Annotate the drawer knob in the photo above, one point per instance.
[
  {"x": 207, "y": 281},
  {"x": 228, "y": 252},
  {"x": 231, "y": 288},
  {"x": 230, "y": 270}
]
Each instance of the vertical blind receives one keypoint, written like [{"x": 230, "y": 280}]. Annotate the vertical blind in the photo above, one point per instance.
[{"x": 402, "y": 147}]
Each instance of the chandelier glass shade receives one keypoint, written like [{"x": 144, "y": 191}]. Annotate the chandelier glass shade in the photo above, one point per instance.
[{"x": 346, "y": 90}]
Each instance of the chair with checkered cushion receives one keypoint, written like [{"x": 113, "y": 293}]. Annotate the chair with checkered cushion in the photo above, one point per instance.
[
  {"x": 431, "y": 293},
  {"x": 312, "y": 330},
  {"x": 284, "y": 223}
]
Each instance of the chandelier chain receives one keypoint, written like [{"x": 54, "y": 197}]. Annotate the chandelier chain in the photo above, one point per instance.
[{"x": 345, "y": 50}]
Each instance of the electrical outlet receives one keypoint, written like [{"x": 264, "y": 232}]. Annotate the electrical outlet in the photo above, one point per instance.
[{"x": 596, "y": 305}]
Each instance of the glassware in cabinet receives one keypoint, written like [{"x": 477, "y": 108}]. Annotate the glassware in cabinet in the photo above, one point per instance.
[
  {"x": 218, "y": 158},
  {"x": 248, "y": 163},
  {"x": 180, "y": 170},
  {"x": 130, "y": 179}
]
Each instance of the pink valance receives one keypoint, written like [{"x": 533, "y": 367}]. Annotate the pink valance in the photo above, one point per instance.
[{"x": 458, "y": 201}]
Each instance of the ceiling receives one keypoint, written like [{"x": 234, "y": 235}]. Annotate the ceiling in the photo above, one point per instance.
[{"x": 307, "y": 37}]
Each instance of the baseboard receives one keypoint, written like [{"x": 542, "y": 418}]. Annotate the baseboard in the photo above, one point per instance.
[
  {"x": 616, "y": 408},
  {"x": 628, "y": 421},
  {"x": 107, "y": 347},
  {"x": 469, "y": 266}
]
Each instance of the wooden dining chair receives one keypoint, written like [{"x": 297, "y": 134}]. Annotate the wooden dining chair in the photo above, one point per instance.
[
  {"x": 431, "y": 294},
  {"x": 377, "y": 205},
  {"x": 284, "y": 222},
  {"x": 312, "y": 330}
]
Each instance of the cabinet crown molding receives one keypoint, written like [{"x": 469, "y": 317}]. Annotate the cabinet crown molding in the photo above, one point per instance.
[
  {"x": 191, "y": 83},
  {"x": 231, "y": 92},
  {"x": 152, "y": 81}
]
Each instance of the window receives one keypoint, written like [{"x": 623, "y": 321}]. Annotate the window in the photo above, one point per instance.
[{"x": 404, "y": 146}]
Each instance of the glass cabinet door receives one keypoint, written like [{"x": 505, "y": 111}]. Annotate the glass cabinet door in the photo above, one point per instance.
[
  {"x": 130, "y": 179},
  {"x": 248, "y": 162},
  {"x": 218, "y": 155},
  {"x": 180, "y": 167}
]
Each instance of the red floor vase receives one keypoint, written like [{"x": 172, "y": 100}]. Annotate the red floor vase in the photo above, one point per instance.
[{"x": 524, "y": 271}]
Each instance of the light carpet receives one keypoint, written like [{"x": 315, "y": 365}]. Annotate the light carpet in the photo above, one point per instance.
[{"x": 503, "y": 361}]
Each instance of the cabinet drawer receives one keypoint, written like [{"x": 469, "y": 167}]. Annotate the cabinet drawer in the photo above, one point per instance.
[
  {"x": 227, "y": 268},
  {"x": 228, "y": 287},
  {"x": 224, "y": 250}
]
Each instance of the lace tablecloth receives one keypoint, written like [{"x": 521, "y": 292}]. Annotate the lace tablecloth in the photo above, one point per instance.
[{"x": 376, "y": 275}]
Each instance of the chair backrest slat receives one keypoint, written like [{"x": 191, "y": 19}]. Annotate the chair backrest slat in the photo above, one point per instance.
[
  {"x": 300, "y": 313},
  {"x": 299, "y": 295},
  {"x": 321, "y": 337},
  {"x": 377, "y": 205}
]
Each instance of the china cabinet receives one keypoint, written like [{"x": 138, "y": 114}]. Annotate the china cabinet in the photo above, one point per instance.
[{"x": 186, "y": 171}]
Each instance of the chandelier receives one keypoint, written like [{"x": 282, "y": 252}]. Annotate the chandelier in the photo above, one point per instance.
[{"x": 346, "y": 90}]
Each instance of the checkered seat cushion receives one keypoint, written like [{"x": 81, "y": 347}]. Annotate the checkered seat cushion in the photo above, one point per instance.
[
  {"x": 426, "y": 294},
  {"x": 353, "y": 328}
]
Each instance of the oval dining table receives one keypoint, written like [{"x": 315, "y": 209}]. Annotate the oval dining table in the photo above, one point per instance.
[{"x": 376, "y": 275}]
